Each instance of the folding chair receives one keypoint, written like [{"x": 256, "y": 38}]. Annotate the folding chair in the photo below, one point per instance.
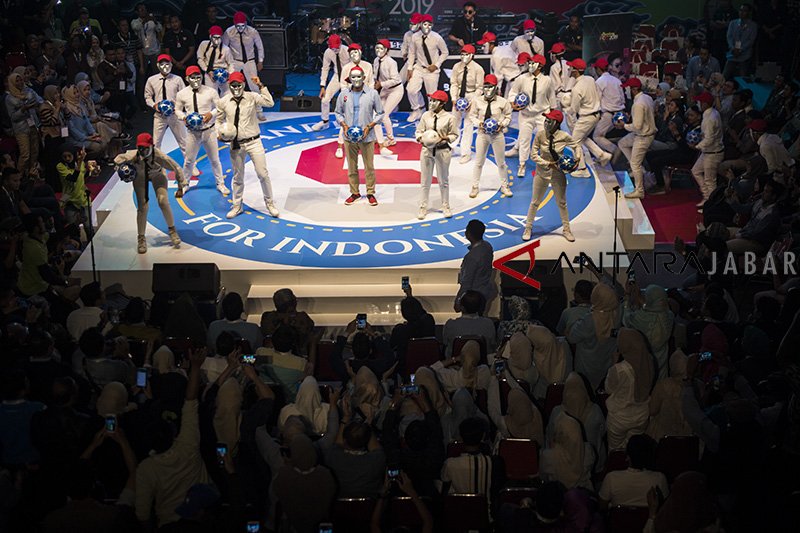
[
  {"x": 352, "y": 514},
  {"x": 521, "y": 458},
  {"x": 675, "y": 455},
  {"x": 515, "y": 495},
  {"x": 461, "y": 340},
  {"x": 455, "y": 448},
  {"x": 672, "y": 46},
  {"x": 648, "y": 69},
  {"x": 623, "y": 519},
  {"x": 647, "y": 29},
  {"x": 15, "y": 59},
  {"x": 673, "y": 67},
  {"x": 422, "y": 351},
  {"x": 465, "y": 512},
  {"x": 323, "y": 370},
  {"x": 403, "y": 512}
]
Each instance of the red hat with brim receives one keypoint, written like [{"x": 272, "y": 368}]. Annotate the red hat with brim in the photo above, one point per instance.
[
  {"x": 529, "y": 25},
  {"x": 632, "y": 82},
  {"x": 334, "y": 41},
  {"x": 467, "y": 49},
  {"x": 236, "y": 76},
  {"x": 705, "y": 97},
  {"x": 439, "y": 95},
  {"x": 555, "y": 114},
  {"x": 215, "y": 31},
  {"x": 164, "y": 57},
  {"x": 488, "y": 37},
  {"x": 385, "y": 43},
  {"x": 490, "y": 79},
  {"x": 144, "y": 140},
  {"x": 416, "y": 18},
  {"x": 427, "y": 18},
  {"x": 523, "y": 58},
  {"x": 558, "y": 48},
  {"x": 239, "y": 18},
  {"x": 540, "y": 59},
  {"x": 758, "y": 124},
  {"x": 194, "y": 69},
  {"x": 354, "y": 46},
  {"x": 601, "y": 62},
  {"x": 357, "y": 69},
  {"x": 577, "y": 64}
]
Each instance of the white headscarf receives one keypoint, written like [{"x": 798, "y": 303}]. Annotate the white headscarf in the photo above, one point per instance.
[
  {"x": 548, "y": 354},
  {"x": 308, "y": 405},
  {"x": 228, "y": 414},
  {"x": 568, "y": 451}
]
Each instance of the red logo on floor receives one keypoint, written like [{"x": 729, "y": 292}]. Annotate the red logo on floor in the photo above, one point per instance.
[{"x": 500, "y": 264}]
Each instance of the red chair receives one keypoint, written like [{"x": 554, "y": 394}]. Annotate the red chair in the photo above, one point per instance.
[
  {"x": 673, "y": 67},
  {"x": 403, "y": 512},
  {"x": 647, "y": 29},
  {"x": 422, "y": 351},
  {"x": 461, "y": 340},
  {"x": 521, "y": 458},
  {"x": 15, "y": 59},
  {"x": 638, "y": 56},
  {"x": 352, "y": 514},
  {"x": 623, "y": 519},
  {"x": 455, "y": 448},
  {"x": 672, "y": 46},
  {"x": 515, "y": 495},
  {"x": 323, "y": 370},
  {"x": 648, "y": 69},
  {"x": 643, "y": 44},
  {"x": 552, "y": 398},
  {"x": 675, "y": 455},
  {"x": 465, "y": 512}
]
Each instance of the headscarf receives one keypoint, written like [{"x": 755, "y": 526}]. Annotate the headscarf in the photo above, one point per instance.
[
  {"x": 52, "y": 95},
  {"x": 164, "y": 360},
  {"x": 113, "y": 400},
  {"x": 520, "y": 357},
  {"x": 72, "y": 100},
  {"x": 228, "y": 414},
  {"x": 81, "y": 76},
  {"x": 12, "y": 88},
  {"x": 519, "y": 308},
  {"x": 308, "y": 405},
  {"x": 632, "y": 347},
  {"x": 604, "y": 310},
  {"x": 689, "y": 507},
  {"x": 677, "y": 365},
  {"x": 20, "y": 70},
  {"x": 304, "y": 455},
  {"x": 87, "y": 103},
  {"x": 548, "y": 354},
  {"x": 664, "y": 86},
  {"x": 367, "y": 392},
  {"x": 470, "y": 356},
  {"x": 657, "y": 305},
  {"x": 568, "y": 450},
  {"x": 425, "y": 377},
  {"x": 575, "y": 400},
  {"x": 523, "y": 419}
]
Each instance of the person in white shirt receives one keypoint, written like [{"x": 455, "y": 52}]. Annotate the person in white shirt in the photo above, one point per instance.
[
  {"x": 91, "y": 314},
  {"x": 211, "y": 55},
  {"x": 490, "y": 105},
  {"x": 405, "y": 46},
  {"x": 334, "y": 59},
  {"x": 436, "y": 153},
  {"x": 165, "y": 86},
  {"x": 771, "y": 147},
  {"x": 354, "y": 51},
  {"x": 246, "y": 47},
  {"x": 528, "y": 42},
  {"x": 612, "y": 99},
  {"x": 201, "y": 99},
  {"x": 425, "y": 58},
  {"x": 503, "y": 63},
  {"x": 148, "y": 29},
  {"x": 711, "y": 147},
  {"x": 538, "y": 87},
  {"x": 548, "y": 146},
  {"x": 560, "y": 73},
  {"x": 237, "y": 123},
  {"x": 390, "y": 88},
  {"x": 630, "y": 487},
  {"x": 642, "y": 132},
  {"x": 466, "y": 80},
  {"x": 583, "y": 113}
]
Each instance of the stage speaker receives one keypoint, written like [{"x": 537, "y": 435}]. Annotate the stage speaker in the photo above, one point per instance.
[
  {"x": 274, "y": 79},
  {"x": 201, "y": 280},
  {"x": 547, "y": 273},
  {"x": 301, "y": 103},
  {"x": 276, "y": 53}
]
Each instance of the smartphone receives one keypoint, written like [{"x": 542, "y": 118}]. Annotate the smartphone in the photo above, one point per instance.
[
  {"x": 222, "y": 451},
  {"x": 248, "y": 359},
  {"x": 705, "y": 356},
  {"x": 410, "y": 389},
  {"x": 404, "y": 283},
  {"x": 253, "y": 526},
  {"x": 326, "y": 527},
  {"x": 141, "y": 377},
  {"x": 393, "y": 474},
  {"x": 111, "y": 423},
  {"x": 361, "y": 320},
  {"x": 499, "y": 367},
  {"x": 412, "y": 379}
]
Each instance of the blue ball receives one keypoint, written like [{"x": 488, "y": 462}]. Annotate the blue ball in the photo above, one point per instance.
[
  {"x": 355, "y": 134},
  {"x": 194, "y": 121},
  {"x": 126, "y": 172},
  {"x": 620, "y": 116},
  {"x": 522, "y": 100},
  {"x": 567, "y": 162},
  {"x": 166, "y": 107},
  {"x": 220, "y": 75},
  {"x": 491, "y": 126},
  {"x": 694, "y": 136},
  {"x": 462, "y": 104}
]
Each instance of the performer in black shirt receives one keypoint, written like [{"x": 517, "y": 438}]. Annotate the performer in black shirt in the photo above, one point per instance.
[{"x": 467, "y": 29}]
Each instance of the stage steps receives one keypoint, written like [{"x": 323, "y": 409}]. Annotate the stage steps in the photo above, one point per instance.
[{"x": 634, "y": 226}]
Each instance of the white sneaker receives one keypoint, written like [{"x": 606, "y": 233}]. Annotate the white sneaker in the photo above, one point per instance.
[
  {"x": 273, "y": 211},
  {"x": 521, "y": 170},
  {"x": 414, "y": 116},
  {"x": 604, "y": 159},
  {"x": 473, "y": 192},
  {"x": 446, "y": 212},
  {"x": 636, "y": 193},
  {"x": 423, "y": 212},
  {"x": 385, "y": 151},
  {"x": 141, "y": 245},
  {"x": 582, "y": 173},
  {"x": 526, "y": 233},
  {"x": 504, "y": 190},
  {"x": 339, "y": 152},
  {"x": 195, "y": 172},
  {"x": 465, "y": 158},
  {"x": 511, "y": 152},
  {"x": 173, "y": 236},
  {"x": 567, "y": 233},
  {"x": 391, "y": 141},
  {"x": 234, "y": 212},
  {"x": 224, "y": 191},
  {"x": 321, "y": 125}
]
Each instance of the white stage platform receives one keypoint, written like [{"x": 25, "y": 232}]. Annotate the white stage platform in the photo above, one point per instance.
[{"x": 343, "y": 260}]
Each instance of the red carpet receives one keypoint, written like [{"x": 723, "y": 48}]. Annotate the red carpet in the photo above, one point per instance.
[{"x": 674, "y": 214}]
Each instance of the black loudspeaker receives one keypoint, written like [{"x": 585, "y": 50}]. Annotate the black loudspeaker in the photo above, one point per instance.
[
  {"x": 274, "y": 79},
  {"x": 276, "y": 53},
  {"x": 301, "y": 103},
  {"x": 201, "y": 280}
]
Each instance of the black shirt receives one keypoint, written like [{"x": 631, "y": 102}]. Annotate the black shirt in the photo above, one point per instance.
[
  {"x": 470, "y": 34},
  {"x": 178, "y": 44},
  {"x": 568, "y": 36}
]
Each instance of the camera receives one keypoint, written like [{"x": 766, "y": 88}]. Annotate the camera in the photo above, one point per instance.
[
  {"x": 111, "y": 423},
  {"x": 499, "y": 367}
]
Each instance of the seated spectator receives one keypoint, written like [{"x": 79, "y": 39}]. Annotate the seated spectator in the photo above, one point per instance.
[
  {"x": 469, "y": 323},
  {"x": 628, "y": 384},
  {"x": 470, "y": 375},
  {"x": 658, "y": 160},
  {"x": 579, "y": 306},
  {"x": 463, "y": 407},
  {"x": 37, "y": 273},
  {"x": 133, "y": 323},
  {"x": 666, "y": 413},
  {"x": 285, "y": 367},
  {"x": 108, "y": 133},
  {"x": 16, "y": 413},
  {"x": 42, "y": 365},
  {"x": 91, "y": 315},
  {"x": 227, "y": 350},
  {"x": 591, "y": 335},
  {"x": 568, "y": 458},
  {"x": 97, "y": 366},
  {"x": 764, "y": 223},
  {"x": 701, "y": 67},
  {"x": 368, "y": 397},
  {"x": 630, "y": 487},
  {"x": 228, "y": 413},
  {"x": 369, "y": 349},
  {"x": 21, "y": 105},
  {"x": 232, "y": 312},
  {"x": 94, "y": 57},
  {"x": 650, "y": 315},
  {"x": 472, "y": 472},
  {"x": 552, "y": 359},
  {"x": 522, "y": 419},
  {"x": 417, "y": 323},
  {"x": 308, "y": 405},
  {"x": 771, "y": 148},
  {"x": 520, "y": 312},
  {"x": 82, "y": 133},
  {"x": 286, "y": 314},
  {"x": 518, "y": 354}
]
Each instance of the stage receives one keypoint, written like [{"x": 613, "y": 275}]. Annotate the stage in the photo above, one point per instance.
[{"x": 341, "y": 259}]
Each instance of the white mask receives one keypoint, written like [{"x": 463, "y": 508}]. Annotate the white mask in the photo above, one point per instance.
[
  {"x": 195, "y": 81},
  {"x": 466, "y": 58},
  {"x": 357, "y": 80},
  {"x": 413, "y": 27},
  {"x": 240, "y": 27},
  {"x": 355, "y": 55},
  {"x": 489, "y": 91},
  {"x": 144, "y": 151},
  {"x": 530, "y": 34},
  {"x": 550, "y": 126},
  {"x": 237, "y": 89},
  {"x": 426, "y": 28},
  {"x": 165, "y": 67},
  {"x": 380, "y": 50},
  {"x": 485, "y": 48},
  {"x": 533, "y": 67},
  {"x": 435, "y": 105},
  {"x": 216, "y": 40}
]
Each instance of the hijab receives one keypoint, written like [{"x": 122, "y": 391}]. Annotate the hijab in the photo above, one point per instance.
[
  {"x": 568, "y": 451},
  {"x": 228, "y": 414},
  {"x": 52, "y": 95},
  {"x": 72, "y": 101},
  {"x": 425, "y": 377},
  {"x": 470, "y": 356},
  {"x": 367, "y": 392},
  {"x": 604, "y": 310},
  {"x": 677, "y": 365},
  {"x": 12, "y": 88},
  {"x": 113, "y": 400},
  {"x": 87, "y": 103},
  {"x": 576, "y": 401},
  {"x": 308, "y": 405},
  {"x": 523, "y": 419},
  {"x": 519, "y": 308},
  {"x": 632, "y": 347},
  {"x": 520, "y": 356},
  {"x": 689, "y": 507},
  {"x": 548, "y": 354},
  {"x": 164, "y": 360}
]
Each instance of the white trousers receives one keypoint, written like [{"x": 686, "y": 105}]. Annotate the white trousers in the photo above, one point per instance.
[
  {"x": 635, "y": 148},
  {"x": 558, "y": 181},
  {"x": 176, "y": 125},
  {"x": 330, "y": 92},
  {"x": 255, "y": 150},
  {"x": 208, "y": 140},
  {"x": 442, "y": 163},
  {"x": 464, "y": 124},
  {"x": 222, "y": 88},
  {"x": 389, "y": 100},
  {"x": 421, "y": 76},
  {"x": 498, "y": 144},
  {"x": 249, "y": 70},
  {"x": 604, "y": 125},
  {"x": 705, "y": 172},
  {"x": 529, "y": 124},
  {"x": 580, "y": 134}
]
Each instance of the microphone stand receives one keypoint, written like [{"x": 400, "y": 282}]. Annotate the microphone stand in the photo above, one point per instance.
[
  {"x": 90, "y": 234},
  {"x": 616, "y": 221}
]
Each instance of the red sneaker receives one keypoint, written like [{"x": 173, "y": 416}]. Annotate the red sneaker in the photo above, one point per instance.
[
  {"x": 371, "y": 199},
  {"x": 352, "y": 198}
]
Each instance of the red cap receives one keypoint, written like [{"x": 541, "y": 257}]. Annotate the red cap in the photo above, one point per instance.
[
  {"x": 523, "y": 58},
  {"x": 558, "y": 48},
  {"x": 488, "y": 37},
  {"x": 490, "y": 79},
  {"x": 357, "y": 69},
  {"x": 354, "y": 46},
  {"x": 601, "y": 62},
  {"x": 467, "y": 49},
  {"x": 164, "y": 57},
  {"x": 385, "y": 43},
  {"x": 427, "y": 18},
  {"x": 144, "y": 140},
  {"x": 539, "y": 58},
  {"x": 416, "y": 18},
  {"x": 440, "y": 95},
  {"x": 577, "y": 64},
  {"x": 194, "y": 69},
  {"x": 758, "y": 124},
  {"x": 215, "y": 30},
  {"x": 632, "y": 82},
  {"x": 555, "y": 114},
  {"x": 705, "y": 97},
  {"x": 239, "y": 18},
  {"x": 334, "y": 41},
  {"x": 236, "y": 76},
  {"x": 529, "y": 25}
]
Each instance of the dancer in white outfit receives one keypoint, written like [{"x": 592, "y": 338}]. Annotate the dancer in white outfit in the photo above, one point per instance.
[
  {"x": 354, "y": 51},
  {"x": 503, "y": 63},
  {"x": 425, "y": 58},
  {"x": 712, "y": 149},
  {"x": 247, "y": 48},
  {"x": 390, "y": 89},
  {"x": 465, "y": 82},
  {"x": 528, "y": 42},
  {"x": 541, "y": 99},
  {"x": 490, "y": 105},
  {"x": 642, "y": 132},
  {"x": 405, "y": 47},
  {"x": 334, "y": 59},
  {"x": 560, "y": 73},
  {"x": 436, "y": 152},
  {"x": 612, "y": 100},
  {"x": 211, "y": 55},
  {"x": 583, "y": 113}
]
